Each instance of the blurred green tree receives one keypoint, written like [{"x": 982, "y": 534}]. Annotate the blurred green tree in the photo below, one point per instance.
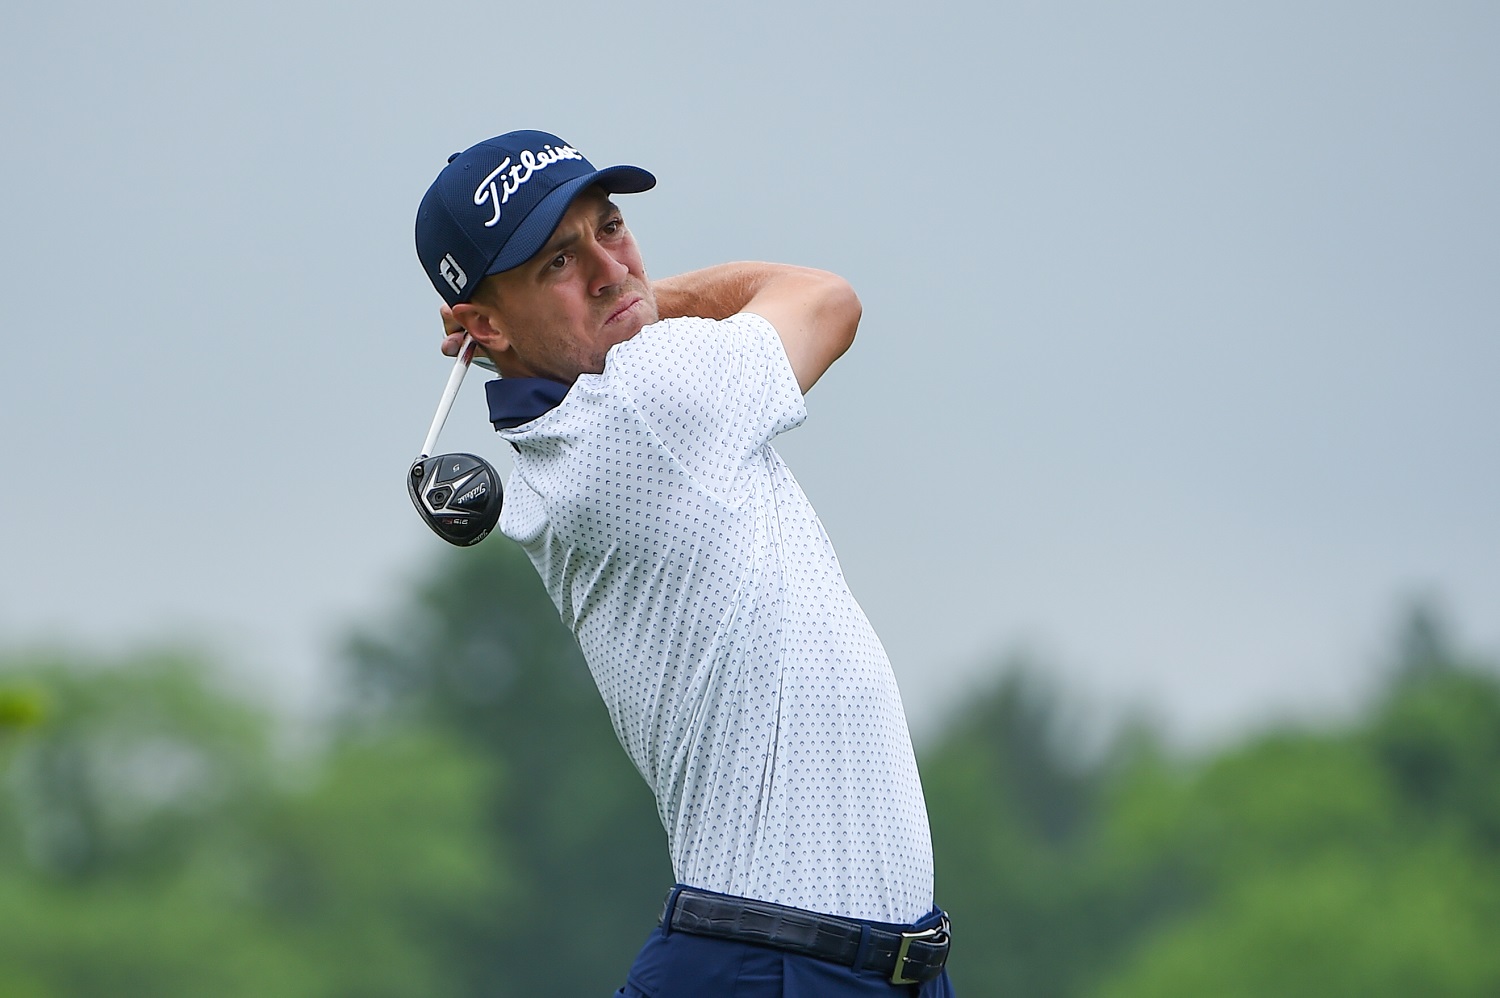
[
  {"x": 1016, "y": 800},
  {"x": 479, "y": 651},
  {"x": 1362, "y": 860},
  {"x": 471, "y": 827},
  {"x": 151, "y": 844}
]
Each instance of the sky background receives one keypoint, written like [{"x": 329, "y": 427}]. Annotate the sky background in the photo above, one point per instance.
[{"x": 1178, "y": 369}]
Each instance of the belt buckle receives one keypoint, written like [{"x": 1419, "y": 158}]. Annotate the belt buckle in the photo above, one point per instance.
[{"x": 907, "y": 938}]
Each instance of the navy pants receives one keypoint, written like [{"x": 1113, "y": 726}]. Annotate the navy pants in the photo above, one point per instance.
[{"x": 679, "y": 965}]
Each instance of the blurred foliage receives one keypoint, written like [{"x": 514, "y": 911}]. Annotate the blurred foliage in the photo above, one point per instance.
[
  {"x": 1361, "y": 859},
  {"x": 479, "y": 652},
  {"x": 153, "y": 844},
  {"x": 20, "y": 708},
  {"x": 1356, "y": 861},
  {"x": 469, "y": 827}
]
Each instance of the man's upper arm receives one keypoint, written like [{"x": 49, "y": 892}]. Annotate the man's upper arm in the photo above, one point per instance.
[
  {"x": 713, "y": 392},
  {"x": 815, "y": 313}
]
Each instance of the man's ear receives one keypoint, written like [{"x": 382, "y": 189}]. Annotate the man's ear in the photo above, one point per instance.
[{"x": 480, "y": 323}]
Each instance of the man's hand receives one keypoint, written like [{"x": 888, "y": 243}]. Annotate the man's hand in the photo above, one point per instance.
[
  {"x": 814, "y": 312},
  {"x": 453, "y": 340},
  {"x": 453, "y": 332}
]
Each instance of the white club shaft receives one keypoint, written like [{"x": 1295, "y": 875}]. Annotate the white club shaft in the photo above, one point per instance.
[{"x": 455, "y": 379}]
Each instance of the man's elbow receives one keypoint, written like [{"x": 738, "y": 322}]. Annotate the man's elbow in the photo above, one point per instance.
[{"x": 844, "y": 312}]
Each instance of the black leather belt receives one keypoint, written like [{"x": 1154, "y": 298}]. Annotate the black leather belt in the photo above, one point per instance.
[{"x": 902, "y": 957}]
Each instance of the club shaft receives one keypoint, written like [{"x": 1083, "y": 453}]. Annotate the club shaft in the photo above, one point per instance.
[{"x": 455, "y": 379}]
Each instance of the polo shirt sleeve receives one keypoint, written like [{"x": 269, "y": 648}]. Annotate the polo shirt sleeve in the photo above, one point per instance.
[{"x": 715, "y": 393}]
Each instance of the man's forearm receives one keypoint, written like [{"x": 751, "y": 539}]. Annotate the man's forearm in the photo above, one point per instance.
[
  {"x": 813, "y": 311},
  {"x": 716, "y": 292}
]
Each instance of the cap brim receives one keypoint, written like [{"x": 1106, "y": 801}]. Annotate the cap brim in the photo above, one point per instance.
[{"x": 536, "y": 228}]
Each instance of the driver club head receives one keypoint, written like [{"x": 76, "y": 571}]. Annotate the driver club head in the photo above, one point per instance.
[{"x": 458, "y": 495}]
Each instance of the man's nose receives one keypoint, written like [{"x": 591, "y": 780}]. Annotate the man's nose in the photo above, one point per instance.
[{"x": 607, "y": 270}]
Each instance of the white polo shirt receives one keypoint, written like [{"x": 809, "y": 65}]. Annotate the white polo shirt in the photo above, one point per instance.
[{"x": 741, "y": 676}]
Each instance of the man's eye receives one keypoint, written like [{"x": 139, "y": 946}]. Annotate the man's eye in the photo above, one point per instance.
[
  {"x": 613, "y": 226},
  {"x": 558, "y": 263}
]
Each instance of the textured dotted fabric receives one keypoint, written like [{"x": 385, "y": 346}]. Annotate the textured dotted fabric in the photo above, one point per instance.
[{"x": 742, "y": 678}]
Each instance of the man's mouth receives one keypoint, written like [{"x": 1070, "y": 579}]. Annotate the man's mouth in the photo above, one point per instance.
[{"x": 626, "y": 304}]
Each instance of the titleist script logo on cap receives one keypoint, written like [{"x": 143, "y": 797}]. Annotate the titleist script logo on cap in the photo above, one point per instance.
[{"x": 507, "y": 178}]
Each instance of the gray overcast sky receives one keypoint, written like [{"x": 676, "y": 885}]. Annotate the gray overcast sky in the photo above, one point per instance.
[{"x": 1180, "y": 353}]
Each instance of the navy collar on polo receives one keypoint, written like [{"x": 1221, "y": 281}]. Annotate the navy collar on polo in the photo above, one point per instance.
[{"x": 514, "y": 401}]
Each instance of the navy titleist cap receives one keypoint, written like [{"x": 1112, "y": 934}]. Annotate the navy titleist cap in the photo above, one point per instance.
[{"x": 496, "y": 204}]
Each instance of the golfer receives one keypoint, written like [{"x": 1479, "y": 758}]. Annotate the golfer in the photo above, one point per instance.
[{"x": 741, "y": 676}]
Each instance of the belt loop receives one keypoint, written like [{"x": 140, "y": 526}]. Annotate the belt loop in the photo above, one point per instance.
[
  {"x": 864, "y": 947},
  {"x": 666, "y": 912}
]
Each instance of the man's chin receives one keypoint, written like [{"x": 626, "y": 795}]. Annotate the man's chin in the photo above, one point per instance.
[{"x": 649, "y": 314}]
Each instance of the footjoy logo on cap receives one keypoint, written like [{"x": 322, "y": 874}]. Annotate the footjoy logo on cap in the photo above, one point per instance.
[
  {"x": 507, "y": 178},
  {"x": 453, "y": 273}
]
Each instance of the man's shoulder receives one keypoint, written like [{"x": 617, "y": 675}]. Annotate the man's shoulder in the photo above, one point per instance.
[{"x": 680, "y": 332}]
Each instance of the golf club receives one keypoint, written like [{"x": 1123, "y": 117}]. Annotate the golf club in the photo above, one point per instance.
[{"x": 458, "y": 495}]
